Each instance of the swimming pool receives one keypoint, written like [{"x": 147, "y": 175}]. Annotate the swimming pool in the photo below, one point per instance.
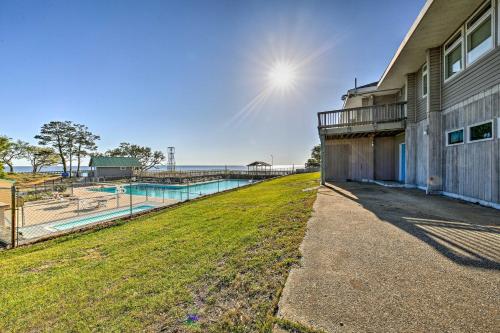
[
  {"x": 177, "y": 192},
  {"x": 100, "y": 217}
]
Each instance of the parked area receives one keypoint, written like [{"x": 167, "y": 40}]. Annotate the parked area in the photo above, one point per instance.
[
  {"x": 64, "y": 206},
  {"x": 379, "y": 259},
  {"x": 211, "y": 265}
]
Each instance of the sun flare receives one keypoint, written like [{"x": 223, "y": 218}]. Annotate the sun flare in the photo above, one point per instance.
[{"x": 282, "y": 75}]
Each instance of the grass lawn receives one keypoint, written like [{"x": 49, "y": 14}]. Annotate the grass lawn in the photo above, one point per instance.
[
  {"x": 26, "y": 179},
  {"x": 223, "y": 259}
]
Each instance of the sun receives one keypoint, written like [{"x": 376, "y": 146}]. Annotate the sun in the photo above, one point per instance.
[{"x": 282, "y": 75}]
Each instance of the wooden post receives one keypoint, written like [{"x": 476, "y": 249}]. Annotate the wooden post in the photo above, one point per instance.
[{"x": 13, "y": 217}]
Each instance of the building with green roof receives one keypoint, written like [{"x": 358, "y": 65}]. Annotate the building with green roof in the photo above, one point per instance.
[{"x": 113, "y": 167}]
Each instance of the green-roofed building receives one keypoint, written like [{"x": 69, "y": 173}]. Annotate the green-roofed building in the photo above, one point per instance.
[{"x": 113, "y": 167}]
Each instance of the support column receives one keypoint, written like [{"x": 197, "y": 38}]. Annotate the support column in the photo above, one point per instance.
[
  {"x": 322, "y": 154},
  {"x": 411, "y": 130},
  {"x": 435, "y": 132}
]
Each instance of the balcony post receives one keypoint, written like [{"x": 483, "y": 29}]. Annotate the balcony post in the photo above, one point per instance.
[
  {"x": 322, "y": 157},
  {"x": 435, "y": 132}
]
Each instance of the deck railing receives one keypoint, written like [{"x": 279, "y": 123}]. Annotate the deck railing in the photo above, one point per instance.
[
  {"x": 212, "y": 173},
  {"x": 363, "y": 115}
]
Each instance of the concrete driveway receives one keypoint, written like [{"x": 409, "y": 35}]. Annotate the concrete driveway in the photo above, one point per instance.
[{"x": 381, "y": 259}]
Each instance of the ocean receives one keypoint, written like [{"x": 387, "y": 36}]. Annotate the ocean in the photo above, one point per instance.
[{"x": 162, "y": 167}]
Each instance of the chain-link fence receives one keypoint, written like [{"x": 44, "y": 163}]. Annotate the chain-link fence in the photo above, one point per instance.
[{"x": 53, "y": 208}]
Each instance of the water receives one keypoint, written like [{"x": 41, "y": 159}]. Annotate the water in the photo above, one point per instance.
[
  {"x": 178, "y": 192},
  {"x": 161, "y": 167},
  {"x": 101, "y": 217}
]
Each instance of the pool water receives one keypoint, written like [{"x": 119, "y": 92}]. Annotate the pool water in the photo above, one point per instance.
[
  {"x": 101, "y": 217},
  {"x": 178, "y": 192}
]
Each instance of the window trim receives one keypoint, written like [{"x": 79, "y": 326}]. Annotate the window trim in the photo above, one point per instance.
[
  {"x": 425, "y": 73},
  {"x": 455, "y": 130},
  {"x": 468, "y": 31},
  {"x": 479, "y": 124},
  {"x": 450, "y": 49}
]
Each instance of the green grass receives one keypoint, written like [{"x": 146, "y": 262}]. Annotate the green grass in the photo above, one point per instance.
[{"x": 224, "y": 258}]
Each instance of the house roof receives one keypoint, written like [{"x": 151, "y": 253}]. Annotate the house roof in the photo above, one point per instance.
[
  {"x": 258, "y": 163},
  {"x": 437, "y": 21},
  {"x": 106, "y": 161}
]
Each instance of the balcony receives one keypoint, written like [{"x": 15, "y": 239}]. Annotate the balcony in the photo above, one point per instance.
[{"x": 386, "y": 119}]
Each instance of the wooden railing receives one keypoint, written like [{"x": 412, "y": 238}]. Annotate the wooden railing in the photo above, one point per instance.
[
  {"x": 212, "y": 173},
  {"x": 362, "y": 115}
]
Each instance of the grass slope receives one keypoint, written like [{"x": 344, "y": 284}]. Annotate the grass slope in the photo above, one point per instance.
[{"x": 223, "y": 258}]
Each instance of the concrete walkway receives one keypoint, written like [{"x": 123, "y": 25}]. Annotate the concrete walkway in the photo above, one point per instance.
[{"x": 381, "y": 259}]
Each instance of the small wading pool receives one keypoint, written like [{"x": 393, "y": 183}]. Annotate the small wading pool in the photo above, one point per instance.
[
  {"x": 178, "y": 192},
  {"x": 101, "y": 217}
]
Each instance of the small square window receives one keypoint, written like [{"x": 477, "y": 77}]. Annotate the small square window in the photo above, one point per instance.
[
  {"x": 455, "y": 137},
  {"x": 481, "y": 132}
]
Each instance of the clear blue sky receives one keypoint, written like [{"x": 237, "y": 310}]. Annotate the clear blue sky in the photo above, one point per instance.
[{"x": 162, "y": 73}]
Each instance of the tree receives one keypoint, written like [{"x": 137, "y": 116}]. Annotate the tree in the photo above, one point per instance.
[
  {"x": 146, "y": 156},
  {"x": 59, "y": 135},
  {"x": 40, "y": 157},
  {"x": 315, "y": 160},
  {"x": 70, "y": 140},
  {"x": 4, "y": 146},
  {"x": 14, "y": 151},
  {"x": 85, "y": 142}
]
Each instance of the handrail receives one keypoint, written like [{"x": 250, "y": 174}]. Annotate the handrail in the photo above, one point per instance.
[{"x": 362, "y": 115}]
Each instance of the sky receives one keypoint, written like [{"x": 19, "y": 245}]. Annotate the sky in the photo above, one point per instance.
[{"x": 191, "y": 74}]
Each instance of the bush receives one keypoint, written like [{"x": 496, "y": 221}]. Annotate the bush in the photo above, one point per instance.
[{"x": 60, "y": 188}]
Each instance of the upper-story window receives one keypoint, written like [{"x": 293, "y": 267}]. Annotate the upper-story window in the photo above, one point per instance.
[
  {"x": 453, "y": 55},
  {"x": 425, "y": 80},
  {"x": 479, "y": 36}
]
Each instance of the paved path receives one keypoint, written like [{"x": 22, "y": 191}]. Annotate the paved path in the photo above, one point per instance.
[{"x": 395, "y": 260}]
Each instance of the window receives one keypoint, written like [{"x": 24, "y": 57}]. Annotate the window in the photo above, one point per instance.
[
  {"x": 425, "y": 81},
  {"x": 479, "y": 33},
  {"x": 453, "y": 56},
  {"x": 455, "y": 137},
  {"x": 481, "y": 132}
]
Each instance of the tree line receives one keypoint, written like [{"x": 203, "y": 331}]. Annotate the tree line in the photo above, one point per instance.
[{"x": 66, "y": 142}]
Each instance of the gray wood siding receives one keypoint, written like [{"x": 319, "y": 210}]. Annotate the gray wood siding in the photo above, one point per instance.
[
  {"x": 386, "y": 99},
  {"x": 113, "y": 172},
  {"x": 349, "y": 159},
  {"x": 421, "y": 103},
  {"x": 411, "y": 82},
  {"x": 481, "y": 75},
  {"x": 472, "y": 169},
  {"x": 384, "y": 158},
  {"x": 422, "y": 153},
  {"x": 434, "y": 93}
]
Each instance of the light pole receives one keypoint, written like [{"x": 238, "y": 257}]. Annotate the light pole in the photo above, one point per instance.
[{"x": 272, "y": 160}]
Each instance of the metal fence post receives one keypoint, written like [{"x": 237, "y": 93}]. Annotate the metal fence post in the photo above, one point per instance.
[
  {"x": 188, "y": 191},
  {"x": 218, "y": 185},
  {"x": 130, "y": 191},
  {"x": 13, "y": 217},
  {"x": 163, "y": 195}
]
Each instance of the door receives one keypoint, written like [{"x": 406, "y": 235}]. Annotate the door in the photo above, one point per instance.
[
  {"x": 338, "y": 161},
  {"x": 385, "y": 158},
  {"x": 402, "y": 162}
]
